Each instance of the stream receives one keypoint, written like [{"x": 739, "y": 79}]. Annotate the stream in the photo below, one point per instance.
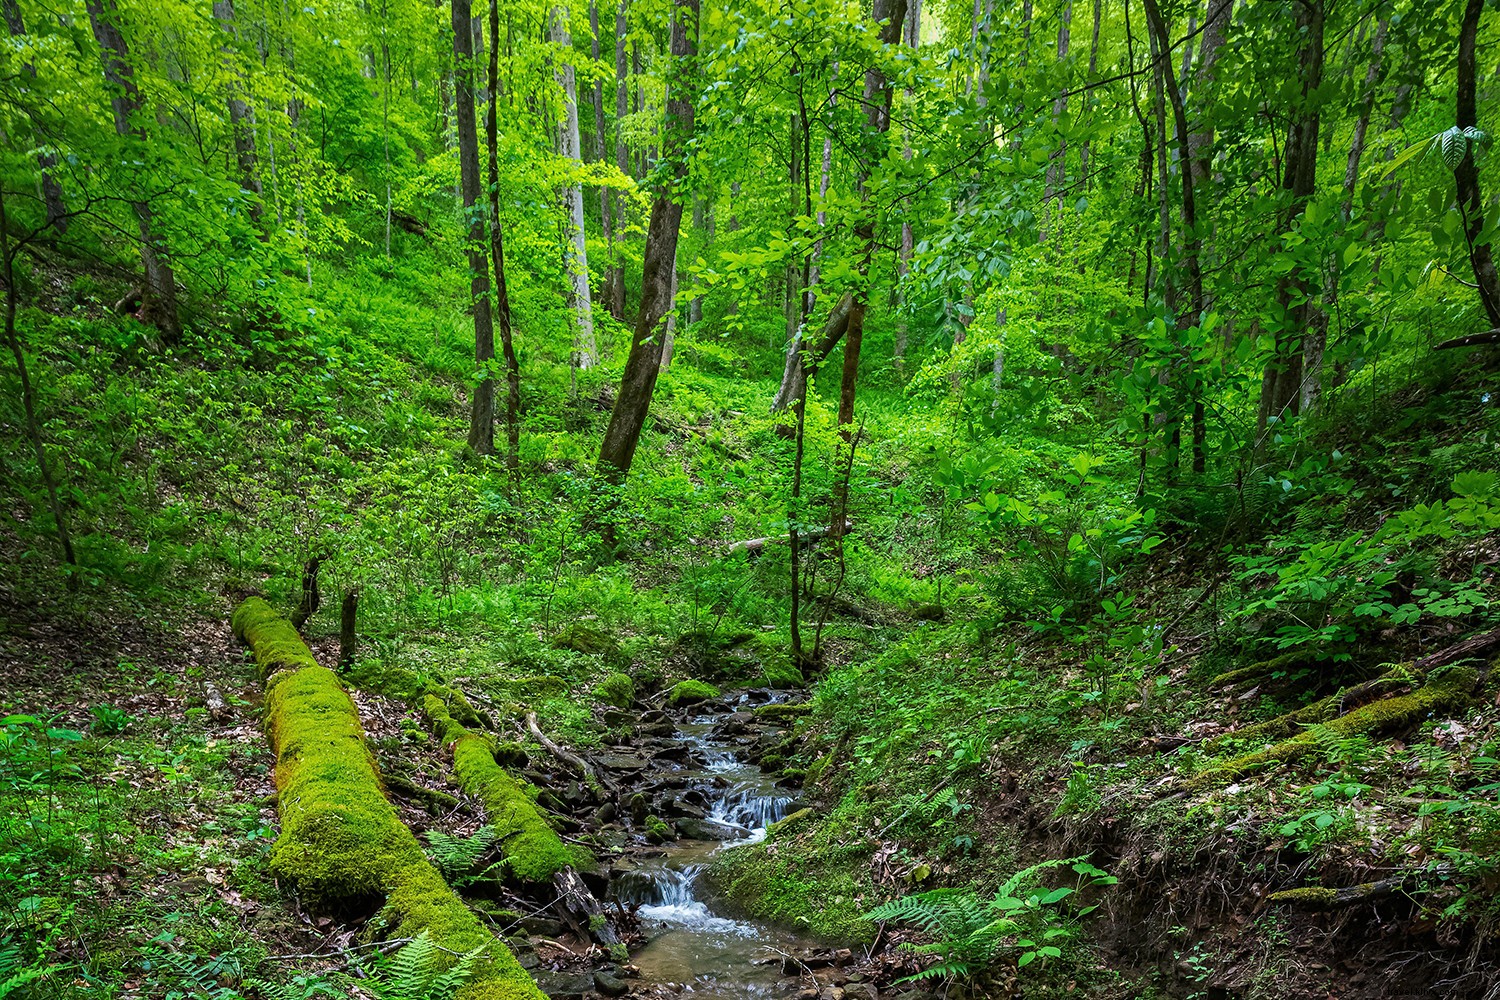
[{"x": 691, "y": 945}]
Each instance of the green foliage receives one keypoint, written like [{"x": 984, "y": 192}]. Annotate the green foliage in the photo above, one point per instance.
[
  {"x": 456, "y": 857},
  {"x": 972, "y": 932}
]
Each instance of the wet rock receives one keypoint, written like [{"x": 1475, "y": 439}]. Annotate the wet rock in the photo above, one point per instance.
[
  {"x": 832, "y": 993},
  {"x": 810, "y": 993},
  {"x": 565, "y": 985},
  {"x": 620, "y": 762},
  {"x": 614, "y": 718},
  {"x": 605, "y": 813},
  {"x": 860, "y": 991},
  {"x": 610, "y": 985},
  {"x": 680, "y": 806},
  {"x": 542, "y": 926}
]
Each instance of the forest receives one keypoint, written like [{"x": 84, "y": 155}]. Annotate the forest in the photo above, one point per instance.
[{"x": 822, "y": 499}]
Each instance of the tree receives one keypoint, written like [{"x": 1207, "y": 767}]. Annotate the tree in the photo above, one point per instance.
[
  {"x": 159, "y": 296},
  {"x": 1466, "y": 174},
  {"x": 643, "y": 364},
  {"x": 575, "y": 254},
  {"x": 482, "y": 412},
  {"x": 240, "y": 119},
  {"x": 497, "y": 255}
]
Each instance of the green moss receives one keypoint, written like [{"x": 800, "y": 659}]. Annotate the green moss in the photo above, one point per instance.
[
  {"x": 1286, "y": 662},
  {"x": 533, "y": 850},
  {"x": 796, "y": 883},
  {"x": 789, "y": 822},
  {"x": 538, "y": 687},
  {"x": 782, "y": 673},
  {"x": 781, "y": 713},
  {"x": 1316, "y": 897},
  {"x": 342, "y": 842},
  {"x": 276, "y": 645},
  {"x": 581, "y": 638},
  {"x": 1447, "y": 690},
  {"x": 509, "y": 753},
  {"x": 657, "y": 829},
  {"x": 691, "y": 692},
  {"x": 617, "y": 690}
]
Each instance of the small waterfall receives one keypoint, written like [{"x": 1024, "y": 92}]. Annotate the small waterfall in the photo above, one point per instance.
[{"x": 750, "y": 809}]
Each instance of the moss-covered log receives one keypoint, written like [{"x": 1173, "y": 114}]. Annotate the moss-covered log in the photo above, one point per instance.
[
  {"x": 1346, "y": 700},
  {"x": 1448, "y": 690},
  {"x": 1324, "y": 898},
  {"x": 533, "y": 850},
  {"x": 342, "y": 843}
]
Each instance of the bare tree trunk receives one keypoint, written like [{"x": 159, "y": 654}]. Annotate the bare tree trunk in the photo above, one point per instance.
[
  {"x": 159, "y": 299},
  {"x": 669, "y": 330},
  {"x": 606, "y": 224},
  {"x": 1281, "y": 386},
  {"x": 615, "y": 280},
  {"x": 482, "y": 415},
  {"x": 576, "y": 258},
  {"x": 52, "y": 197},
  {"x": 1086, "y": 150},
  {"x": 1057, "y": 164},
  {"x": 497, "y": 256},
  {"x": 643, "y": 365},
  {"x": 794, "y": 305},
  {"x": 28, "y": 403},
  {"x": 1466, "y": 177}
]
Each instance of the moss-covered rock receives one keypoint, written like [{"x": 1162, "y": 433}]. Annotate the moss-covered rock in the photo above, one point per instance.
[
  {"x": 789, "y": 822},
  {"x": 533, "y": 850},
  {"x": 583, "y": 638},
  {"x": 658, "y": 830},
  {"x": 617, "y": 690},
  {"x": 691, "y": 692},
  {"x": 782, "y": 673},
  {"x": 796, "y": 882},
  {"x": 342, "y": 843},
  {"x": 783, "y": 712}
]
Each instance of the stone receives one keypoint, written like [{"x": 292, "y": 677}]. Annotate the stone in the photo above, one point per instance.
[{"x": 610, "y": 985}]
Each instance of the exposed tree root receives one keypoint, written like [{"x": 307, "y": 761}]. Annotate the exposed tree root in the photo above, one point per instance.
[
  {"x": 342, "y": 843},
  {"x": 1319, "y": 898},
  {"x": 1323, "y": 710},
  {"x": 1448, "y": 690}
]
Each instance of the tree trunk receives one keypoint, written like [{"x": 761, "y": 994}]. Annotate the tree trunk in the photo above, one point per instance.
[
  {"x": 28, "y": 403},
  {"x": 497, "y": 258},
  {"x": 1086, "y": 150},
  {"x": 348, "y": 635},
  {"x": 159, "y": 298},
  {"x": 606, "y": 224},
  {"x": 52, "y": 197},
  {"x": 1362, "y": 126},
  {"x": 877, "y": 102},
  {"x": 794, "y": 303},
  {"x": 575, "y": 257},
  {"x": 482, "y": 415},
  {"x": 1466, "y": 177},
  {"x": 1281, "y": 386},
  {"x": 643, "y": 365},
  {"x": 615, "y": 280},
  {"x": 1057, "y": 164}
]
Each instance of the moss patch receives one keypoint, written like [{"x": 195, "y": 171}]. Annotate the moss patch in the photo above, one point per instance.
[
  {"x": 342, "y": 842},
  {"x": 691, "y": 692},
  {"x": 617, "y": 690},
  {"x": 798, "y": 885}
]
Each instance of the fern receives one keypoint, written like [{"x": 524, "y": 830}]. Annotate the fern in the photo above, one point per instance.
[
  {"x": 456, "y": 857},
  {"x": 970, "y": 933},
  {"x": 419, "y": 971}
]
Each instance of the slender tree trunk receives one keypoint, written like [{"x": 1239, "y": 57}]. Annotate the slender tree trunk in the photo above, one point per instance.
[
  {"x": 606, "y": 224},
  {"x": 497, "y": 257},
  {"x": 385, "y": 114},
  {"x": 877, "y": 102},
  {"x": 643, "y": 365},
  {"x": 28, "y": 403},
  {"x": 615, "y": 280},
  {"x": 1057, "y": 164},
  {"x": 576, "y": 258},
  {"x": 1281, "y": 386},
  {"x": 703, "y": 229},
  {"x": 1466, "y": 177},
  {"x": 1362, "y": 125},
  {"x": 52, "y": 197},
  {"x": 1086, "y": 150},
  {"x": 159, "y": 297},
  {"x": 912, "y": 35},
  {"x": 794, "y": 304},
  {"x": 482, "y": 415}
]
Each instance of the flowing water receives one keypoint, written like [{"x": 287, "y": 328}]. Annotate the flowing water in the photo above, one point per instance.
[{"x": 714, "y": 955}]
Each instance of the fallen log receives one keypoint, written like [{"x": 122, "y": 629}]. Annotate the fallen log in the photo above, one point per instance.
[
  {"x": 533, "y": 850},
  {"x": 1473, "y": 646},
  {"x": 1449, "y": 690},
  {"x": 1321, "y": 898},
  {"x": 342, "y": 844},
  {"x": 1472, "y": 340},
  {"x": 755, "y": 546},
  {"x": 565, "y": 755},
  {"x": 213, "y": 700}
]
